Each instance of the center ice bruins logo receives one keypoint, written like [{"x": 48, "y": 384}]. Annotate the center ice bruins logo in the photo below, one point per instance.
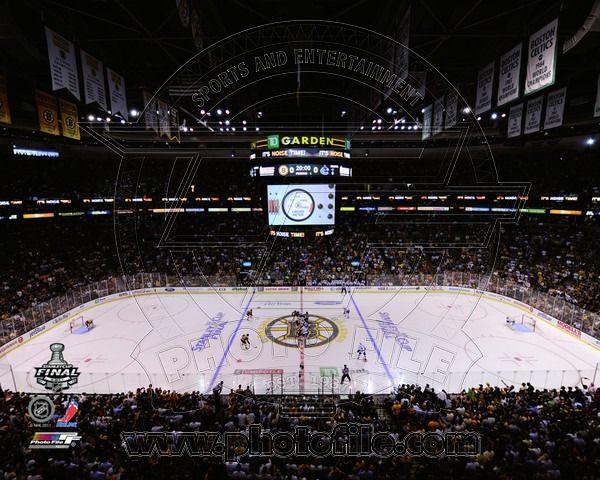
[{"x": 285, "y": 331}]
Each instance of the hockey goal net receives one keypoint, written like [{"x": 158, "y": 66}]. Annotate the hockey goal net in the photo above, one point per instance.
[
  {"x": 521, "y": 323},
  {"x": 75, "y": 323}
]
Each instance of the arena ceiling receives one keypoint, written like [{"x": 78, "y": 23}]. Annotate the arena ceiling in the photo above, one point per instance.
[{"x": 147, "y": 42}]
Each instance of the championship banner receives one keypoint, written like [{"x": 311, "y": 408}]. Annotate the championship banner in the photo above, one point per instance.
[
  {"x": 515, "y": 118},
  {"x": 555, "y": 108},
  {"x": 116, "y": 91},
  {"x": 93, "y": 80},
  {"x": 508, "y": 75},
  {"x": 63, "y": 65},
  {"x": 163, "y": 119},
  {"x": 403, "y": 38},
  {"x": 485, "y": 83},
  {"x": 451, "y": 109},
  {"x": 47, "y": 113},
  {"x": 4, "y": 107},
  {"x": 541, "y": 58},
  {"x": 533, "y": 117},
  {"x": 597, "y": 104},
  {"x": 68, "y": 116},
  {"x": 150, "y": 116},
  {"x": 438, "y": 116},
  {"x": 427, "y": 122},
  {"x": 174, "y": 123}
]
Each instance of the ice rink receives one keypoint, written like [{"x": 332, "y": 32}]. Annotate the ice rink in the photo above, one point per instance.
[{"x": 191, "y": 339}]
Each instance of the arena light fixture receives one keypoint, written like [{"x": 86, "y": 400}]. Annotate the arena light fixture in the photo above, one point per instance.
[
  {"x": 91, "y": 118},
  {"x": 503, "y": 115},
  {"x": 466, "y": 110},
  {"x": 226, "y": 112},
  {"x": 494, "y": 116},
  {"x": 133, "y": 112},
  {"x": 219, "y": 111},
  {"x": 590, "y": 141},
  {"x": 389, "y": 110},
  {"x": 202, "y": 112}
]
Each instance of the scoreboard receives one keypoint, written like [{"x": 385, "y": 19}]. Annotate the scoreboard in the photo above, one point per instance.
[{"x": 292, "y": 149}]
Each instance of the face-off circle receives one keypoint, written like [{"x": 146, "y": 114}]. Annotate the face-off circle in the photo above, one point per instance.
[{"x": 286, "y": 332}]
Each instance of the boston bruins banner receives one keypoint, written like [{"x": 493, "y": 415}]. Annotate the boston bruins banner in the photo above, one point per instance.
[
  {"x": 427, "y": 113},
  {"x": 533, "y": 117},
  {"x": 93, "y": 80},
  {"x": 47, "y": 113},
  {"x": 4, "y": 107},
  {"x": 451, "y": 109},
  {"x": 163, "y": 119},
  {"x": 515, "y": 118},
  {"x": 116, "y": 92},
  {"x": 150, "y": 116},
  {"x": 438, "y": 116},
  {"x": 555, "y": 108},
  {"x": 485, "y": 83},
  {"x": 63, "y": 65},
  {"x": 508, "y": 75},
  {"x": 68, "y": 117},
  {"x": 541, "y": 58}
]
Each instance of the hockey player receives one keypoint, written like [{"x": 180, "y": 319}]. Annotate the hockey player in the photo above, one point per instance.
[
  {"x": 346, "y": 312},
  {"x": 249, "y": 315},
  {"x": 245, "y": 342},
  {"x": 362, "y": 351}
]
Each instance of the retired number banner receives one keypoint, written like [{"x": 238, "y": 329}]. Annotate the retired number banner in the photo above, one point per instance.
[
  {"x": 555, "y": 108},
  {"x": 485, "y": 83},
  {"x": 438, "y": 116},
  {"x": 47, "y": 113},
  {"x": 508, "y": 75},
  {"x": 541, "y": 58},
  {"x": 597, "y": 104},
  {"x": 116, "y": 91},
  {"x": 515, "y": 118},
  {"x": 427, "y": 111},
  {"x": 403, "y": 37},
  {"x": 533, "y": 117},
  {"x": 163, "y": 119},
  {"x": 150, "y": 116},
  {"x": 451, "y": 109}
]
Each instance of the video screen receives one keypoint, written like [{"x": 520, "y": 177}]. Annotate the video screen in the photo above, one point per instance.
[{"x": 293, "y": 205}]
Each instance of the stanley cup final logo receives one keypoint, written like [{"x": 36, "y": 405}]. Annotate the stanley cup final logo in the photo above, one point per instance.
[{"x": 56, "y": 375}]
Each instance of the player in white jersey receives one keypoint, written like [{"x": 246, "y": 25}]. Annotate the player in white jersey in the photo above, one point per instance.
[{"x": 362, "y": 351}]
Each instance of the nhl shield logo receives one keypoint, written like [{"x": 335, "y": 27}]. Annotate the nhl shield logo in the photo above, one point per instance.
[{"x": 56, "y": 375}]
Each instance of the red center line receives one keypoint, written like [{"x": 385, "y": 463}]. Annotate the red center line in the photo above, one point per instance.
[{"x": 301, "y": 346}]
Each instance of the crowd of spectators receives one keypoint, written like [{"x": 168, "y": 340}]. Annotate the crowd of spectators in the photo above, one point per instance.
[
  {"x": 524, "y": 433},
  {"x": 45, "y": 259}
]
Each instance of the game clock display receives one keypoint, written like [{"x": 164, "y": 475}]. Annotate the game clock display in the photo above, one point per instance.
[{"x": 301, "y": 204}]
